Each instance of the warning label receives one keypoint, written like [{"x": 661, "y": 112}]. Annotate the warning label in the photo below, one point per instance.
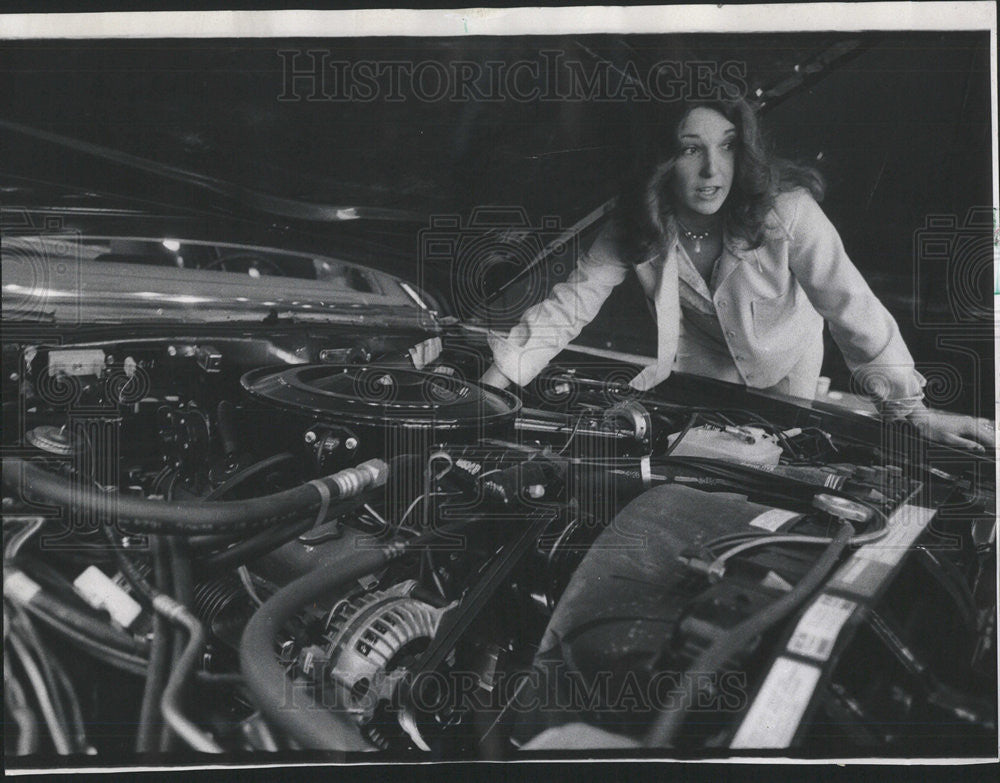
[
  {"x": 775, "y": 714},
  {"x": 819, "y": 627}
]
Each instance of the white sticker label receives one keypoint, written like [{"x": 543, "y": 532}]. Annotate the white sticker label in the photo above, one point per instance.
[
  {"x": 819, "y": 627},
  {"x": 904, "y": 527},
  {"x": 775, "y": 714},
  {"x": 774, "y": 519}
]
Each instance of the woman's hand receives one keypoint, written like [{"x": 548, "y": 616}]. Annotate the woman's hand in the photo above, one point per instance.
[
  {"x": 493, "y": 377},
  {"x": 963, "y": 432}
]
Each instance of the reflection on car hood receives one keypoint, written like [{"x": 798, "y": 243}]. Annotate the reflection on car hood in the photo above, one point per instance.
[{"x": 82, "y": 291}]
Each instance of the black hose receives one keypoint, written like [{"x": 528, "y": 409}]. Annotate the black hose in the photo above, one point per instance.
[
  {"x": 312, "y": 726},
  {"x": 180, "y": 518},
  {"x": 183, "y": 593},
  {"x": 156, "y": 673},
  {"x": 112, "y": 656},
  {"x": 45, "y": 606},
  {"x": 247, "y": 473},
  {"x": 180, "y": 569},
  {"x": 223, "y": 539},
  {"x": 220, "y": 492},
  {"x": 251, "y": 548},
  {"x": 665, "y": 729},
  {"x": 764, "y": 482},
  {"x": 267, "y": 540}
]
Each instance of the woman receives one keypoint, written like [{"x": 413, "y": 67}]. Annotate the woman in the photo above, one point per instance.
[{"x": 741, "y": 267}]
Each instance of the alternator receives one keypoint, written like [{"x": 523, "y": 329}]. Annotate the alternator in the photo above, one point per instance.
[{"x": 369, "y": 640}]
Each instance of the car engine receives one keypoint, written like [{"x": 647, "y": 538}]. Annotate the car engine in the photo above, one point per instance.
[{"x": 222, "y": 542}]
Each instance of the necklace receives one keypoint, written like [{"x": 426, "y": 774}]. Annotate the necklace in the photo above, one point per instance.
[{"x": 694, "y": 236}]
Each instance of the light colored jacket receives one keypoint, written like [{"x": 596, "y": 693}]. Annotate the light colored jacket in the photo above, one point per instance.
[{"x": 771, "y": 303}]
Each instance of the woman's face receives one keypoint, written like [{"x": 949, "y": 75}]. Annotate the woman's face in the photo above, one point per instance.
[{"x": 704, "y": 167}]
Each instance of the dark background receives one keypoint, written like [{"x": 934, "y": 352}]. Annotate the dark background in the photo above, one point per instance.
[{"x": 900, "y": 126}]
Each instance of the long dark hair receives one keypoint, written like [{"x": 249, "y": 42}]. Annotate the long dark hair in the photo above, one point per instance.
[{"x": 760, "y": 176}]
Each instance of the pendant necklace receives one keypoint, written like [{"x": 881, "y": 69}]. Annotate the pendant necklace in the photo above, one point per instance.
[{"x": 694, "y": 236}]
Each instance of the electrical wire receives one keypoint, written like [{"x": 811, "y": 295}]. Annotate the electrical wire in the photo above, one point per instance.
[
  {"x": 426, "y": 555},
  {"x": 417, "y": 499},
  {"x": 379, "y": 518},
  {"x": 247, "y": 582},
  {"x": 572, "y": 434},
  {"x": 752, "y": 540}
]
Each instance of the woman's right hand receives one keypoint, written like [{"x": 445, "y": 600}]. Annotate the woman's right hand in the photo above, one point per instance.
[{"x": 493, "y": 377}]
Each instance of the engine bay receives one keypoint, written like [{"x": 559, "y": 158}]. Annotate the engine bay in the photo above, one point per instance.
[{"x": 222, "y": 542}]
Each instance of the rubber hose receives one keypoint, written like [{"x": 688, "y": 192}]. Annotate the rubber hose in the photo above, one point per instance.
[
  {"x": 311, "y": 726},
  {"x": 156, "y": 673},
  {"x": 45, "y": 604},
  {"x": 178, "y": 517},
  {"x": 183, "y": 594}
]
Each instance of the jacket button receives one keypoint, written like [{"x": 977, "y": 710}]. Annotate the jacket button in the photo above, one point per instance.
[
  {"x": 731, "y": 333},
  {"x": 722, "y": 303},
  {"x": 738, "y": 358}
]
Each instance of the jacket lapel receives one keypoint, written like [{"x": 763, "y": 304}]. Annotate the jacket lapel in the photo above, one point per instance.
[
  {"x": 668, "y": 314},
  {"x": 735, "y": 252}
]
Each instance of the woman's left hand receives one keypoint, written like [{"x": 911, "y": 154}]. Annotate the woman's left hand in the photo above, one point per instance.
[{"x": 963, "y": 432}]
